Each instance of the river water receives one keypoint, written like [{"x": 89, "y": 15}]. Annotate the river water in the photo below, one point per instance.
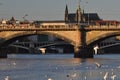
[{"x": 60, "y": 67}]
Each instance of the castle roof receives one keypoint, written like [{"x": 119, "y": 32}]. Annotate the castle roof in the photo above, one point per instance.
[
  {"x": 71, "y": 17},
  {"x": 91, "y": 16},
  {"x": 87, "y": 16}
]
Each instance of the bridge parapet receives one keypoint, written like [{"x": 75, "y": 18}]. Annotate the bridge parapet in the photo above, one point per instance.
[
  {"x": 103, "y": 27},
  {"x": 38, "y": 27},
  {"x": 72, "y": 26},
  {"x": 109, "y": 26}
]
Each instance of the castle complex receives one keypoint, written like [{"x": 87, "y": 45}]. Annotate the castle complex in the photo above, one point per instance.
[{"x": 80, "y": 16}]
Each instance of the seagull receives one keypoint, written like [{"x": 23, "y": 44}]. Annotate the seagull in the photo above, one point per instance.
[
  {"x": 118, "y": 67},
  {"x": 74, "y": 75},
  {"x": 14, "y": 63},
  {"x": 85, "y": 77},
  {"x": 96, "y": 49},
  {"x": 7, "y": 78},
  {"x": 50, "y": 79},
  {"x": 113, "y": 77},
  {"x": 98, "y": 65},
  {"x": 105, "y": 76}
]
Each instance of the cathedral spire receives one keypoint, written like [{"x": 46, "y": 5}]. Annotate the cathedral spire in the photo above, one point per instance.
[
  {"x": 79, "y": 4},
  {"x": 79, "y": 11},
  {"x": 66, "y": 13}
]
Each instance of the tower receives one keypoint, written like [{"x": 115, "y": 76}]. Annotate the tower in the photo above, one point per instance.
[
  {"x": 78, "y": 13},
  {"x": 66, "y": 14}
]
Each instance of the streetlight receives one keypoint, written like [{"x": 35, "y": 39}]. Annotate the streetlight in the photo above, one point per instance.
[
  {"x": 24, "y": 17},
  {"x": 88, "y": 12}
]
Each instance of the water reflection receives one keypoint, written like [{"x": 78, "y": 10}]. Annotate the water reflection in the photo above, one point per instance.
[{"x": 60, "y": 67}]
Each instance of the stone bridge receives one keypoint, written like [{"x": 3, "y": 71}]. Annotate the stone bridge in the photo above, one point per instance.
[{"x": 82, "y": 37}]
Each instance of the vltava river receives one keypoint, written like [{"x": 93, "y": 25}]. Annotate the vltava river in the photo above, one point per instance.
[{"x": 60, "y": 67}]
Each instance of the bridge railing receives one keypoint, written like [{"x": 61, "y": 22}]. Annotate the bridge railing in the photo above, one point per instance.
[
  {"x": 66, "y": 26},
  {"x": 103, "y": 27},
  {"x": 33, "y": 26}
]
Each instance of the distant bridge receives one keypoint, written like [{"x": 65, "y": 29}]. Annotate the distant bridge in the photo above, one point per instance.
[
  {"x": 27, "y": 45},
  {"x": 36, "y": 45},
  {"x": 109, "y": 45},
  {"x": 82, "y": 37}
]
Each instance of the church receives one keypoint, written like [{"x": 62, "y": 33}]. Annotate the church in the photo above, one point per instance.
[{"x": 80, "y": 16}]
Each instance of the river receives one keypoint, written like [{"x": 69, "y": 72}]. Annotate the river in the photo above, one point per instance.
[{"x": 60, "y": 67}]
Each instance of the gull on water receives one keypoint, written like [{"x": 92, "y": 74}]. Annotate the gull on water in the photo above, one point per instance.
[
  {"x": 50, "y": 79},
  {"x": 14, "y": 63},
  {"x": 118, "y": 67},
  {"x": 74, "y": 75},
  {"x": 98, "y": 64},
  {"x": 7, "y": 78}
]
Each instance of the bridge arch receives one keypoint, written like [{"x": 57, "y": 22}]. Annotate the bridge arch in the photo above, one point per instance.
[
  {"x": 62, "y": 37},
  {"x": 103, "y": 35},
  {"x": 12, "y": 36}
]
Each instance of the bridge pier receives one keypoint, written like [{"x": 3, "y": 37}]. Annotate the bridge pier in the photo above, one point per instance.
[
  {"x": 83, "y": 52},
  {"x": 3, "y": 53}
]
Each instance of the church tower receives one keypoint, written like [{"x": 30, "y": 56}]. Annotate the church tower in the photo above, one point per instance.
[
  {"x": 78, "y": 13},
  {"x": 66, "y": 13}
]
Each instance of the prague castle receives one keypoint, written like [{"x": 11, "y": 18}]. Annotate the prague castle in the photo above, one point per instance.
[{"x": 80, "y": 16}]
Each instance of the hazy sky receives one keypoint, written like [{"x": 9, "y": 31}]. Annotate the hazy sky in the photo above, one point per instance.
[{"x": 54, "y": 9}]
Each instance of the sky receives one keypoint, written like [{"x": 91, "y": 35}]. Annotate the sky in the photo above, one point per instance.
[{"x": 54, "y": 9}]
